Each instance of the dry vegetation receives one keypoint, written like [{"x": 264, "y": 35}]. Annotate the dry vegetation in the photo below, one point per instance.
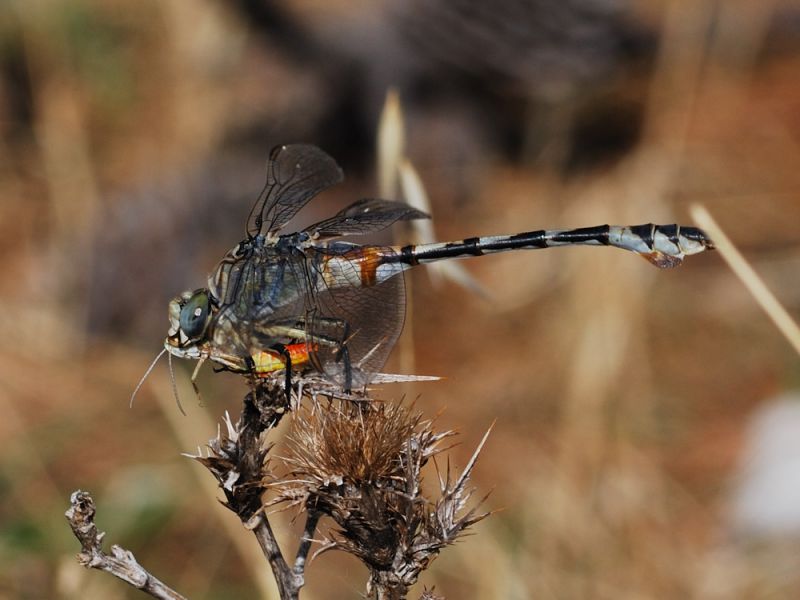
[{"x": 132, "y": 138}]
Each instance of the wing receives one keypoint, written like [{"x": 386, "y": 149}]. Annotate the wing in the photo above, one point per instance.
[
  {"x": 295, "y": 174},
  {"x": 365, "y": 216},
  {"x": 348, "y": 325},
  {"x": 367, "y": 319}
]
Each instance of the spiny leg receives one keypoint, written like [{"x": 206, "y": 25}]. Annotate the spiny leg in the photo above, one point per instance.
[
  {"x": 287, "y": 361},
  {"x": 344, "y": 358},
  {"x": 338, "y": 343},
  {"x": 194, "y": 380},
  {"x": 306, "y": 329},
  {"x": 174, "y": 384}
]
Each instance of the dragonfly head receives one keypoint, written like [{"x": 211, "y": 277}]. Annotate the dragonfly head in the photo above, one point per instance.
[{"x": 189, "y": 315}]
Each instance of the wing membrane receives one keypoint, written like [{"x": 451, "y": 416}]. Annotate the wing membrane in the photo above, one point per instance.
[
  {"x": 349, "y": 328},
  {"x": 295, "y": 174},
  {"x": 365, "y": 216},
  {"x": 367, "y": 319}
]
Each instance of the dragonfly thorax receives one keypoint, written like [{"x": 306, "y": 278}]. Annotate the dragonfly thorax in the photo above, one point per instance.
[{"x": 189, "y": 316}]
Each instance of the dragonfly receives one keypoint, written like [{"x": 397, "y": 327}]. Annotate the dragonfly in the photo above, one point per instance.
[{"x": 310, "y": 301}]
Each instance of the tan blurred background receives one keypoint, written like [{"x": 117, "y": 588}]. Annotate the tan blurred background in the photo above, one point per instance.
[{"x": 639, "y": 450}]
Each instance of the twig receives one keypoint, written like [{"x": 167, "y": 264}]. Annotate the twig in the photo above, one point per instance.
[
  {"x": 121, "y": 564},
  {"x": 289, "y": 582},
  {"x": 238, "y": 460},
  {"x": 312, "y": 519},
  {"x": 263, "y": 408}
]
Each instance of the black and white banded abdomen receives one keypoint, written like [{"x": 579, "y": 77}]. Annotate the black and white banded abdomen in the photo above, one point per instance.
[{"x": 663, "y": 245}]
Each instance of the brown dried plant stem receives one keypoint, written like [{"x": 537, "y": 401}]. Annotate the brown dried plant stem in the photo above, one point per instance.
[
  {"x": 238, "y": 461},
  {"x": 358, "y": 463},
  {"x": 288, "y": 583},
  {"x": 289, "y": 580},
  {"x": 121, "y": 563}
]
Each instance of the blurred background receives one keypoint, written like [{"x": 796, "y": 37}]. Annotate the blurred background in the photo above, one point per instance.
[{"x": 647, "y": 442}]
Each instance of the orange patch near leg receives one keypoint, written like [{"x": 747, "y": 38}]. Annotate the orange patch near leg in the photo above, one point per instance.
[{"x": 269, "y": 361}]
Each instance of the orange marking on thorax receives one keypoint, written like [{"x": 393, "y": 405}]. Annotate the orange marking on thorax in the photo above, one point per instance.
[{"x": 268, "y": 361}]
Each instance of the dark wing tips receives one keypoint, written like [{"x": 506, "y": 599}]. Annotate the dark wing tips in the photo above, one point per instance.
[
  {"x": 366, "y": 216},
  {"x": 295, "y": 174},
  {"x": 376, "y": 206},
  {"x": 285, "y": 161}
]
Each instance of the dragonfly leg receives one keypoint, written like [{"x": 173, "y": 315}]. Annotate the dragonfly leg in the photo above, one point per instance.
[
  {"x": 339, "y": 343},
  {"x": 194, "y": 379},
  {"x": 287, "y": 361},
  {"x": 344, "y": 358},
  {"x": 331, "y": 333}
]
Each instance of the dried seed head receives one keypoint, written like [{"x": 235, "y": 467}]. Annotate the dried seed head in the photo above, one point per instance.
[
  {"x": 237, "y": 458},
  {"x": 361, "y": 465},
  {"x": 356, "y": 444}
]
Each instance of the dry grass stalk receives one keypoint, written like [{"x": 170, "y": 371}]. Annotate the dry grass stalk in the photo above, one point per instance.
[{"x": 747, "y": 275}]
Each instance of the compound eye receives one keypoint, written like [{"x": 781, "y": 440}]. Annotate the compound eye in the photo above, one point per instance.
[{"x": 194, "y": 315}]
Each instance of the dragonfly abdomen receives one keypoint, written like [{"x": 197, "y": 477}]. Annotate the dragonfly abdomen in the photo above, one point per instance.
[
  {"x": 364, "y": 266},
  {"x": 360, "y": 266},
  {"x": 663, "y": 245}
]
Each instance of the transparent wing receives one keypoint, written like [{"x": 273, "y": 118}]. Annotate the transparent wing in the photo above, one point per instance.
[
  {"x": 349, "y": 328},
  {"x": 367, "y": 319},
  {"x": 365, "y": 216},
  {"x": 295, "y": 174}
]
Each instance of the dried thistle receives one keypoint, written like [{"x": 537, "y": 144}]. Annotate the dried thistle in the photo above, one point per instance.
[
  {"x": 238, "y": 460},
  {"x": 356, "y": 461},
  {"x": 238, "y": 467},
  {"x": 356, "y": 443},
  {"x": 361, "y": 465}
]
